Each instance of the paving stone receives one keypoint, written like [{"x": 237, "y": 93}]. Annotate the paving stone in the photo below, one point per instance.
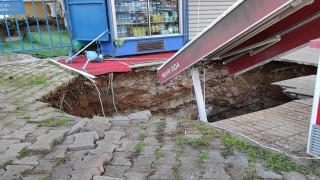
[
  {"x": 103, "y": 147},
  {"x": 93, "y": 161},
  {"x": 138, "y": 117},
  {"x": 84, "y": 140},
  {"x": 127, "y": 145},
  {"x": 59, "y": 151},
  {"x": 169, "y": 145},
  {"x": 135, "y": 176},
  {"x": 29, "y": 127},
  {"x": 45, "y": 142},
  {"x": 44, "y": 167},
  {"x": 239, "y": 161},
  {"x": 190, "y": 152},
  {"x": 189, "y": 169},
  {"x": 115, "y": 171},
  {"x": 171, "y": 127},
  {"x": 96, "y": 126},
  {"x": 113, "y": 136},
  {"x": 151, "y": 141},
  {"x": 168, "y": 159},
  {"x": 121, "y": 159},
  {"x": 149, "y": 151},
  {"x": 142, "y": 165},
  {"x": 214, "y": 157},
  {"x": 214, "y": 171},
  {"x": 5, "y": 145},
  {"x": 120, "y": 121},
  {"x": 163, "y": 172},
  {"x": 103, "y": 120},
  {"x": 36, "y": 177},
  {"x": 78, "y": 126},
  {"x": 266, "y": 174},
  {"x": 2, "y": 171},
  {"x": 69, "y": 140},
  {"x": 293, "y": 175},
  {"x": 13, "y": 172},
  {"x": 105, "y": 178},
  {"x": 31, "y": 160},
  {"x": 13, "y": 152},
  {"x": 85, "y": 174},
  {"x": 18, "y": 135}
]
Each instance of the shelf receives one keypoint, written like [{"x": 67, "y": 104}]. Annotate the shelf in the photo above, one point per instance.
[
  {"x": 131, "y": 23},
  {"x": 164, "y": 22}
]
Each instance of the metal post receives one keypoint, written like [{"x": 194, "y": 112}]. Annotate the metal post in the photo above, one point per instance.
[{"x": 198, "y": 92}]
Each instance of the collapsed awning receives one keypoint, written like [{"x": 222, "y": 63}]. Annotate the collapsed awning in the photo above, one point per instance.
[{"x": 249, "y": 34}]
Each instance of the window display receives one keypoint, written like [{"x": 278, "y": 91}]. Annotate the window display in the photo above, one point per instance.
[{"x": 146, "y": 18}]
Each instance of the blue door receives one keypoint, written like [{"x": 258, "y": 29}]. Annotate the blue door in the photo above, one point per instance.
[{"x": 88, "y": 19}]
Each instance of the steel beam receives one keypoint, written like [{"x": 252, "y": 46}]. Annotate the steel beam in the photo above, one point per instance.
[{"x": 198, "y": 92}]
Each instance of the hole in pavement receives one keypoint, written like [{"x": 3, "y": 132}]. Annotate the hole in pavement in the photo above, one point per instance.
[{"x": 140, "y": 90}]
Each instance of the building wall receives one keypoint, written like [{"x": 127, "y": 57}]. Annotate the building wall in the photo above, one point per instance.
[
  {"x": 209, "y": 10},
  {"x": 29, "y": 10}
]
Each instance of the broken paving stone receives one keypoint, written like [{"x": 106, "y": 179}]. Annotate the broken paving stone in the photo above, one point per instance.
[
  {"x": 93, "y": 161},
  {"x": 266, "y": 174},
  {"x": 142, "y": 165},
  {"x": 138, "y": 117},
  {"x": 69, "y": 140},
  {"x": 84, "y": 140},
  {"x": 32, "y": 160},
  {"x": 293, "y": 175},
  {"x": 103, "y": 147},
  {"x": 105, "y": 178},
  {"x": 5, "y": 144},
  {"x": 45, "y": 142},
  {"x": 163, "y": 172},
  {"x": 44, "y": 167},
  {"x": 135, "y": 176},
  {"x": 29, "y": 127},
  {"x": 85, "y": 174},
  {"x": 239, "y": 161},
  {"x": 120, "y": 121},
  {"x": 115, "y": 171},
  {"x": 113, "y": 136},
  {"x": 96, "y": 126},
  {"x": 58, "y": 152},
  {"x": 18, "y": 135},
  {"x": 37, "y": 176},
  {"x": 14, "y": 171},
  {"x": 78, "y": 126}
]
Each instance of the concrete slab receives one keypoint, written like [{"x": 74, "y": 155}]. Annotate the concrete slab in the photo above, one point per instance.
[{"x": 305, "y": 55}]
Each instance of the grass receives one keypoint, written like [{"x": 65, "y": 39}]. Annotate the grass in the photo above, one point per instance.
[
  {"x": 26, "y": 117},
  {"x": 202, "y": 141},
  {"x": 8, "y": 123},
  {"x": 50, "y": 122},
  {"x": 58, "y": 161},
  {"x": 23, "y": 153},
  {"x": 3, "y": 166},
  {"x": 143, "y": 135},
  {"x": 159, "y": 154},
  {"x": 139, "y": 147},
  {"x": 43, "y": 106},
  {"x": 181, "y": 139},
  {"x": 2, "y": 118},
  {"x": 202, "y": 156},
  {"x": 143, "y": 126}
]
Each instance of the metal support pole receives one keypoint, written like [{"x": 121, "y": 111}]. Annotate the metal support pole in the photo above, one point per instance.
[{"x": 198, "y": 92}]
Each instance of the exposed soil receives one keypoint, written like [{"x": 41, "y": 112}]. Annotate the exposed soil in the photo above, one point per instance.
[{"x": 141, "y": 90}]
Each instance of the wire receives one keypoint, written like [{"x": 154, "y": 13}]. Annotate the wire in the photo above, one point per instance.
[
  {"x": 98, "y": 93},
  {"x": 297, "y": 157},
  {"x": 112, "y": 92}
]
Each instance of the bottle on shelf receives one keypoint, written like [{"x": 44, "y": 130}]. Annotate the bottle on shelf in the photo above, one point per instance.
[
  {"x": 157, "y": 29},
  {"x": 153, "y": 29}
]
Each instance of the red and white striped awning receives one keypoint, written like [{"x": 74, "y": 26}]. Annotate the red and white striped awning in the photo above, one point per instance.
[{"x": 249, "y": 34}]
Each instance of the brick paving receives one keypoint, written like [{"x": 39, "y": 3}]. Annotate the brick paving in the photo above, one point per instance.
[
  {"x": 106, "y": 148},
  {"x": 284, "y": 127}
]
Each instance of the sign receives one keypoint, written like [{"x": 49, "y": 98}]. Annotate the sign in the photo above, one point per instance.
[
  {"x": 242, "y": 18},
  {"x": 11, "y": 7},
  {"x": 314, "y": 132}
]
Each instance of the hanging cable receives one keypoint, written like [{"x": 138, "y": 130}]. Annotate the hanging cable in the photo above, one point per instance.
[
  {"x": 112, "y": 93},
  {"x": 94, "y": 82}
]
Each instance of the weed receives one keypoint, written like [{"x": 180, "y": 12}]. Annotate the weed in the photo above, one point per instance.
[
  {"x": 20, "y": 107},
  {"x": 49, "y": 122},
  {"x": 23, "y": 153},
  {"x": 62, "y": 121},
  {"x": 162, "y": 144},
  {"x": 202, "y": 141},
  {"x": 58, "y": 161},
  {"x": 33, "y": 92},
  {"x": 56, "y": 110},
  {"x": 45, "y": 121},
  {"x": 181, "y": 139},
  {"x": 26, "y": 117},
  {"x": 43, "y": 178},
  {"x": 3, "y": 166},
  {"x": 8, "y": 123},
  {"x": 47, "y": 131},
  {"x": 177, "y": 175},
  {"x": 159, "y": 154},
  {"x": 143, "y": 126},
  {"x": 43, "y": 106},
  {"x": 202, "y": 156},
  {"x": 139, "y": 147},
  {"x": 143, "y": 135},
  {"x": 2, "y": 118},
  {"x": 35, "y": 136}
]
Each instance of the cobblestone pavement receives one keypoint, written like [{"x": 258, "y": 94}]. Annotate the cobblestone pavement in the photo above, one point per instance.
[{"x": 40, "y": 142}]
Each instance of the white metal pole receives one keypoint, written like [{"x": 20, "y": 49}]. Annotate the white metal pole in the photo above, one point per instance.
[{"x": 198, "y": 92}]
